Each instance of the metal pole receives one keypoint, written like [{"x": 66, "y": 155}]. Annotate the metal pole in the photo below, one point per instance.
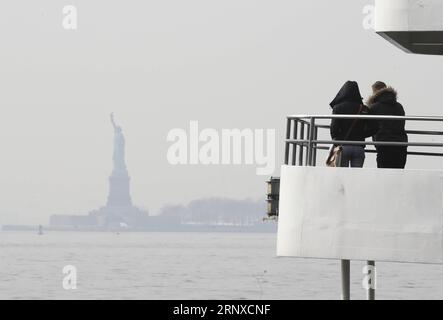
[
  {"x": 294, "y": 146},
  {"x": 315, "y": 148},
  {"x": 346, "y": 279},
  {"x": 371, "y": 286},
  {"x": 288, "y": 136},
  {"x": 302, "y": 137},
  {"x": 310, "y": 144}
]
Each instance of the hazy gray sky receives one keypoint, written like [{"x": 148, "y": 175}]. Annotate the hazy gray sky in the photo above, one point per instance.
[{"x": 159, "y": 64}]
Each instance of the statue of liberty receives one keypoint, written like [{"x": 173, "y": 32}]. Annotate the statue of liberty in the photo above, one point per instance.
[
  {"x": 119, "y": 209},
  {"x": 119, "y": 148},
  {"x": 119, "y": 194}
]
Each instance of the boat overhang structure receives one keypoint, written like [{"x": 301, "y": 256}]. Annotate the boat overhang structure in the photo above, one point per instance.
[{"x": 415, "y": 26}]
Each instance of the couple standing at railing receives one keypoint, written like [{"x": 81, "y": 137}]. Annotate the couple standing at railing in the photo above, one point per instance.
[{"x": 383, "y": 102}]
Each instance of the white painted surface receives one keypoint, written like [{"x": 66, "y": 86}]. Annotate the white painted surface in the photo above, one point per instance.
[
  {"x": 361, "y": 214},
  {"x": 408, "y": 15},
  {"x": 391, "y": 15}
]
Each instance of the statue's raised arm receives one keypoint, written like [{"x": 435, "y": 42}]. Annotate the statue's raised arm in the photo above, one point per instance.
[{"x": 112, "y": 121}]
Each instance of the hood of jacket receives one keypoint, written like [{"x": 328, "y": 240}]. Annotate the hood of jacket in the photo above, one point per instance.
[
  {"x": 350, "y": 92},
  {"x": 387, "y": 95}
]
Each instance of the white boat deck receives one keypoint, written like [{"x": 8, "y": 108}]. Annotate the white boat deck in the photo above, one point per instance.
[{"x": 361, "y": 214}]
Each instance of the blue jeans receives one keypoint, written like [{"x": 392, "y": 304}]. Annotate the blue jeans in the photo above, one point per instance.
[{"x": 353, "y": 156}]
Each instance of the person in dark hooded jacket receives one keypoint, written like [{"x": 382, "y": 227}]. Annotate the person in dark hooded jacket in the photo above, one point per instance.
[
  {"x": 383, "y": 102},
  {"x": 349, "y": 102}
]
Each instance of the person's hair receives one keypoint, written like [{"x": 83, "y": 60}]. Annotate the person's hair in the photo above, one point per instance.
[{"x": 379, "y": 85}]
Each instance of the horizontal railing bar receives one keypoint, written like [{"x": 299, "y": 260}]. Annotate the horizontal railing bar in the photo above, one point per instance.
[
  {"x": 347, "y": 116},
  {"x": 412, "y": 153},
  {"x": 433, "y": 154},
  {"x": 415, "y": 132},
  {"x": 377, "y": 143},
  {"x": 323, "y": 126},
  {"x": 425, "y": 133}
]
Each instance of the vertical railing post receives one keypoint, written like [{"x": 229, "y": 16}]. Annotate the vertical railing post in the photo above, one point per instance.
[
  {"x": 294, "y": 145},
  {"x": 371, "y": 286},
  {"x": 310, "y": 155},
  {"x": 302, "y": 137},
  {"x": 345, "y": 279},
  {"x": 287, "y": 144}
]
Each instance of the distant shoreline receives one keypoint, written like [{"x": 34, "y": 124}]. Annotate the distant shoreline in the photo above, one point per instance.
[{"x": 268, "y": 227}]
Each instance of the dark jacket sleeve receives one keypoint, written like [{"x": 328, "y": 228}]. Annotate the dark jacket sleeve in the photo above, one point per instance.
[
  {"x": 335, "y": 126},
  {"x": 403, "y": 113}
]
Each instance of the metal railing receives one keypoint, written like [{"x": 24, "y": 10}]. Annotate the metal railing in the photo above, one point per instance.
[{"x": 302, "y": 131}]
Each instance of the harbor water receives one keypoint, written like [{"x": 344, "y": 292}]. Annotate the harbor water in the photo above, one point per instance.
[{"x": 187, "y": 266}]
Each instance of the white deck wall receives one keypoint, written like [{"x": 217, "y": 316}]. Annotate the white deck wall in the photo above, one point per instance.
[{"x": 361, "y": 214}]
